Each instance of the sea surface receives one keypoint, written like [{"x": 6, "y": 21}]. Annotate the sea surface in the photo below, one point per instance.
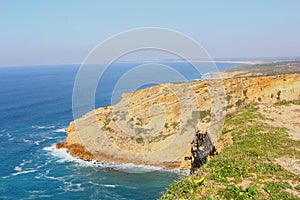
[{"x": 35, "y": 110}]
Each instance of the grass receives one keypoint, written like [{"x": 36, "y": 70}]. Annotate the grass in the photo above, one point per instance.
[
  {"x": 183, "y": 188},
  {"x": 286, "y": 103},
  {"x": 247, "y": 168},
  {"x": 237, "y": 192},
  {"x": 272, "y": 188}
]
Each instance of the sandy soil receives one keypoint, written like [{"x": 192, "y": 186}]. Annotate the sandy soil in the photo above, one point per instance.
[
  {"x": 284, "y": 116},
  {"x": 289, "y": 117}
]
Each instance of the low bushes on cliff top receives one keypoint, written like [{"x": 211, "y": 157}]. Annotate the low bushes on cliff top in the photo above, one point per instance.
[{"x": 247, "y": 168}]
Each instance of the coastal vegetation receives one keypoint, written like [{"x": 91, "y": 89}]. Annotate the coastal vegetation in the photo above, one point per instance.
[
  {"x": 246, "y": 168},
  {"x": 272, "y": 68}
]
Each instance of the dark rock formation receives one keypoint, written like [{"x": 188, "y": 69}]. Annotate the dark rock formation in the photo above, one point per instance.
[{"x": 201, "y": 148}]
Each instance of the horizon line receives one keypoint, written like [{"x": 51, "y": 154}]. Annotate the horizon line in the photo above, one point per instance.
[{"x": 242, "y": 60}]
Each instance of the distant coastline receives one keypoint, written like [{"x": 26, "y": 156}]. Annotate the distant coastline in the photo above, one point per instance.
[{"x": 249, "y": 61}]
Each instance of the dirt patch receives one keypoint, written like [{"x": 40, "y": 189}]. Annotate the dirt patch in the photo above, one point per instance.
[
  {"x": 245, "y": 183},
  {"x": 294, "y": 192},
  {"x": 283, "y": 116},
  {"x": 224, "y": 141},
  {"x": 292, "y": 165}
]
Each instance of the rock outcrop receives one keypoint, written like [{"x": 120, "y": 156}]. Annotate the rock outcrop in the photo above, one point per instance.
[
  {"x": 155, "y": 126},
  {"x": 76, "y": 150}
]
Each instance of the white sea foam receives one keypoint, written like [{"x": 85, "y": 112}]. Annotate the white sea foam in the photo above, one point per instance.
[
  {"x": 90, "y": 182},
  {"x": 18, "y": 168},
  {"x": 11, "y": 139},
  {"x": 132, "y": 168},
  {"x": 64, "y": 156},
  {"x": 67, "y": 185},
  {"x": 45, "y": 174},
  {"x": 43, "y": 127},
  {"x": 27, "y": 141},
  {"x": 60, "y": 130},
  {"x": 43, "y": 165},
  {"x": 39, "y": 196},
  {"x": 25, "y": 162},
  {"x": 109, "y": 186},
  {"x": 112, "y": 186},
  {"x": 36, "y": 191},
  {"x": 24, "y": 172},
  {"x": 72, "y": 187},
  {"x": 39, "y": 141},
  {"x": 55, "y": 178}
]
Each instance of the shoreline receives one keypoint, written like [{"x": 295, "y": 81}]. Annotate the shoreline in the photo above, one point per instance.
[{"x": 64, "y": 155}]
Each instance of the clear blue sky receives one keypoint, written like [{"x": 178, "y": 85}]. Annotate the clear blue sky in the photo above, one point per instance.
[{"x": 61, "y": 31}]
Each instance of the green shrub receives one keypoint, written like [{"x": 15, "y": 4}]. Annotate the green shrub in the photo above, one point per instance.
[
  {"x": 139, "y": 140},
  {"x": 238, "y": 193},
  {"x": 175, "y": 125},
  {"x": 239, "y": 103},
  {"x": 277, "y": 190},
  {"x": 286, "y": 103},
  {"x": 184, "y": 189}
]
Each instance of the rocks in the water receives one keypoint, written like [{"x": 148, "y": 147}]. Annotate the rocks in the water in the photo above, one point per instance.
[
  {"x": 76, "y": 150},
  {"x": 60, "y": 145}
]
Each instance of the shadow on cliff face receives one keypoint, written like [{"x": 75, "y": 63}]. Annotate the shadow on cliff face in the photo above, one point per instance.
[{"x": 201, "y": 149}]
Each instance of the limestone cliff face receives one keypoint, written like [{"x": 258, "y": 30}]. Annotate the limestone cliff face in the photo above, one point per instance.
[{"x": 156, "y": 125}]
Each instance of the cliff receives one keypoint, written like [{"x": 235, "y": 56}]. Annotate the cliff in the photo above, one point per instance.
[
  {"x": 260, "y": 158},
  {"x": 155, "y": 126}
]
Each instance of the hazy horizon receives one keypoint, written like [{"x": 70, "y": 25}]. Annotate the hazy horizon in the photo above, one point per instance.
[{"x": 244, "y": 60}]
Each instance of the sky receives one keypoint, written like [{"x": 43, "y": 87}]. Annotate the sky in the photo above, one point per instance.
[{"x": 64, "y": 31}]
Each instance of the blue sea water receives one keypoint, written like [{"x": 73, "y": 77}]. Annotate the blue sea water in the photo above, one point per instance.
[{"x": 35, "y": 108}]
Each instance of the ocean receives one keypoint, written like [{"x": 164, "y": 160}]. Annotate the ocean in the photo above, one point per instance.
[{"x": 35, "y": 110}]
